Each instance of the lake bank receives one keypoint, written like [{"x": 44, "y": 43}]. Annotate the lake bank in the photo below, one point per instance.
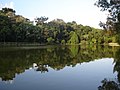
[
  {"x": 113, "y": 44},
  {"x": 26, "y": 44}
]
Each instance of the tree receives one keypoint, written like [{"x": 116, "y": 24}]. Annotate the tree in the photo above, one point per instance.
[
  {"x": 41, "y": 20},
  {"x": 16, "y": 28},
  {"x": 113, "y": 8},
  {"x": 4, "y": 27},
  {"x": 74, "y": 38},
  {"x": 113, "y": 18},
  {"x": 8, "y": 12}
]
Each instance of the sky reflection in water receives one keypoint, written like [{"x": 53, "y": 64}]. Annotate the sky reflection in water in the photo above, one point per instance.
[{"x": 60, "y": 68}]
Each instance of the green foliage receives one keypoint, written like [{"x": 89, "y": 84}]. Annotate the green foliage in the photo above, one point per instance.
[
  {"x": 50, "y": 40},
  {"x": 41, "y": 20},
  {"x": 63, "y": 42},
  {"x": 16, "y": 28},
  {"x": 113, "y": 19},
  {"x": 74, "y": 38},
  {"x": 74, "y": 50},
  {"x": 118, "y": 38},
  {"x": 94, "y": 40}
]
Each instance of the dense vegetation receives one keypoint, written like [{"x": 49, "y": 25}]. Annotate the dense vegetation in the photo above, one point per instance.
[{"x": 16, "y": 28}]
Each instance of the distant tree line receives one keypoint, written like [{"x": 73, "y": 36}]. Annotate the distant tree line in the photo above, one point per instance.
[{"x": 16, "y": 28}]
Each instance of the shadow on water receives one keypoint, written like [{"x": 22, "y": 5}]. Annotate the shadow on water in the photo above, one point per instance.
[{"x": 15, "y": 61}]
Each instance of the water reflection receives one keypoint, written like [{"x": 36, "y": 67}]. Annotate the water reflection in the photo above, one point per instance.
[
  {"x": 109, "y": 85},
  {"x": 114, "y": 84},
  {"x": 14, "y": 61}
]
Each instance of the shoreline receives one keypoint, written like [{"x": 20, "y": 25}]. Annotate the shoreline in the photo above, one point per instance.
[
  {"x": 113, "y": 44},
  {"x": 27, "y": 44}
]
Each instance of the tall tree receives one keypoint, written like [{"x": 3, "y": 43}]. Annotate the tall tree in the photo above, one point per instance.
[
  {"x": 113, "y": 9},
  {"x": 41, "y": 20}
]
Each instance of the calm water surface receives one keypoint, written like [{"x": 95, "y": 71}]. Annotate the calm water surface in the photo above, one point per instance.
[{"x": 60, "y": 68}]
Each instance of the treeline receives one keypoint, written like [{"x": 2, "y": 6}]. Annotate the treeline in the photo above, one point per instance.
[{"x": 16, "y": 28}]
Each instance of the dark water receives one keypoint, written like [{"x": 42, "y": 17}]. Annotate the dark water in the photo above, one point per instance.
[{"x": 60, "y": 68}]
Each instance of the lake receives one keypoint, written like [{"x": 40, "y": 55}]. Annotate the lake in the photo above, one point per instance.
[{"x": 60, "y": 68}]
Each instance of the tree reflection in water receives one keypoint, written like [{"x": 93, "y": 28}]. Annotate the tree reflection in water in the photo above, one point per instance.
[
  {"x": 15, "y": 61},
  {"x": 113, "y": 84},
  {"x": 109, "y": 85}
]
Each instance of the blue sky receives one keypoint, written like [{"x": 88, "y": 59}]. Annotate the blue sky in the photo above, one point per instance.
[{"x": 82, "y": 11}]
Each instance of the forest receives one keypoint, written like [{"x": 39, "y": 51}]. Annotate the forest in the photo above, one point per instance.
[{"x": 18, "y": 29}]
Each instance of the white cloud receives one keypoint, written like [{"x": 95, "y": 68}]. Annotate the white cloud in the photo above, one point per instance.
[{"x": 8, "y": 5}]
